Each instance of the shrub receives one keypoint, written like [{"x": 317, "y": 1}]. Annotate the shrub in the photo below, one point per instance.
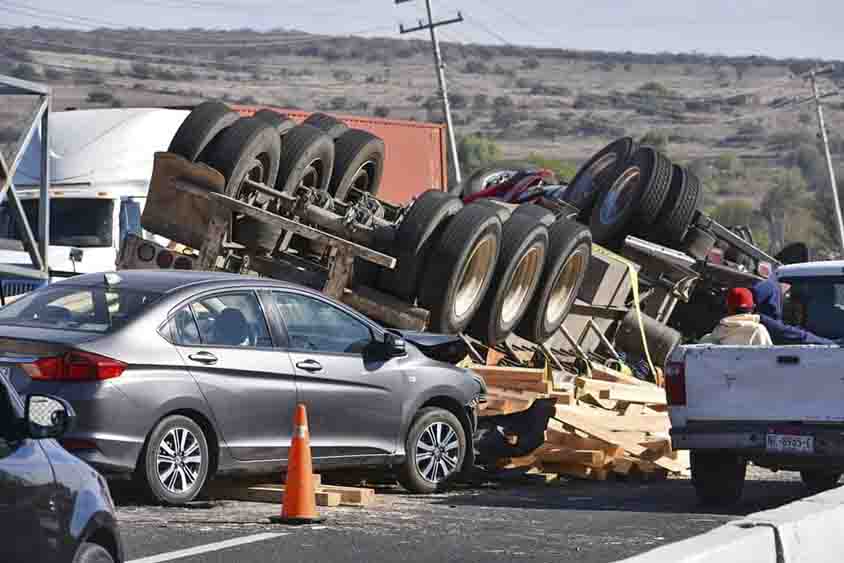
[
  {"x": 382, "y": 111},
  {"x": 338, "y": 102},
  {"x": 458, "y": 101},
  {"x": 100, "y": 97},
  {"x": 415, "y": 98},
  {"x": 654, "y": 88},
  {"x": 342, "y": 75},
  {"x": 475, "y": 151},
  {"x": 530, "y": 63},
  {"x": 53, "y": 74},
  {"x": 655, "y": 139},
  {"x": 245, "y": 100},
  {"x": 542, "y": 90},
  {"x": 142, "y": 71},
  {"x": 480, "y": 101},
  {"x": 25, "y": 71},
  {"x": 564, "y": 170},
  {"x": 475, "y": 67},
  {"x": 503, "y": 102},
  {"x": 805, "y": 118}
]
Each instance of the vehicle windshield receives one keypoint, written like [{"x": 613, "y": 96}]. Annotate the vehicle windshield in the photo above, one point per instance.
[
  {"x": 816, "y": 304},
  {"x": 80, "y": 222},
  {"x": 88, "y": 309}
]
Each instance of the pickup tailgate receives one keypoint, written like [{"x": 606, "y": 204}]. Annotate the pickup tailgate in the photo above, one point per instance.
[{"x": 778, "y": 383}]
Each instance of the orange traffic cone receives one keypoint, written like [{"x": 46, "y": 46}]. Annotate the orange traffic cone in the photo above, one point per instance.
[{"x": 299, "y": 505}]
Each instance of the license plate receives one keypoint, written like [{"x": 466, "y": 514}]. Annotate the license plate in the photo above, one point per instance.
[{"x": 791, "y": 444}]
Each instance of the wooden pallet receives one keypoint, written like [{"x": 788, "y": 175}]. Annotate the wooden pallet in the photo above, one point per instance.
[{"x": 326, "y": 495}]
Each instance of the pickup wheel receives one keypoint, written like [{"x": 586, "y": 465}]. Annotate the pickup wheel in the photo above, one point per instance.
[
  {"x": 597, "y": 174},
  {"x": 718, "y": 477},
  {"x": 435, "y": 449},
  {"x": 818, "y": 481}
]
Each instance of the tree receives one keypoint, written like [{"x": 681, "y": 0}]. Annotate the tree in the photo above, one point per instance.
[
  {"x": 475, "y": 151},
  {"x": 530, "y": 63},
  {"x": 778, "y": 203},
  {"x": 655, "y": 139},
  {"x": 382, "y": 111},
  {"x": 734, "y": 212},
  {"x": 480, "y": 101}
]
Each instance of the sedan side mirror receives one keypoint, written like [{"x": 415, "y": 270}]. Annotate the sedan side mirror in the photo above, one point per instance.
[
  {"x": 48, "y": 417},
  {"x": 394, "y": 345}
]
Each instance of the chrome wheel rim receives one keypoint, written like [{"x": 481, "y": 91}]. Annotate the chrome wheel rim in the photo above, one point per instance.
[
  {"x": 474, "y": 276},
  {"x": 521, "y": 285},
  {"x": 563, "y": 287},
  {"x": 437, "y": 452},
  {"x": 178, "y": 460},
  {"x": 620, "y": 195}
]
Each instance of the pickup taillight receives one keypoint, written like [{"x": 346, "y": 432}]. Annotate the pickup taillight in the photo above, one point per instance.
[
  {"x": 74, "y": 366},
  {"x": 675, "y": 383}
]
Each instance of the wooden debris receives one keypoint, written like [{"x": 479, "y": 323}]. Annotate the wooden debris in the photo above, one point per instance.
[
  {"x": 611, "y": 423},
  {"x": 326, "y": 495}
]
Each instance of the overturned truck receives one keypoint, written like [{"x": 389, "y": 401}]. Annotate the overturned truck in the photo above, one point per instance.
[{"x": 526, "y": 270}]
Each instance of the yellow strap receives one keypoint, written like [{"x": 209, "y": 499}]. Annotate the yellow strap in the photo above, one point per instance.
[{"x": 634, "y": 281}]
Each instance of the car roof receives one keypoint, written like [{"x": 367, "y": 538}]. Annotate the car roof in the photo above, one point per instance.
[
  {"x": 165, "y": 281},
  {"x": 812, "y": 269}
]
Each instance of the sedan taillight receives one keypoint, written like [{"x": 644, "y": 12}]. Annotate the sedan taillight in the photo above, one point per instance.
[
  {"x": 74, "y": 366},
  {"x": 675, "y": 383}
]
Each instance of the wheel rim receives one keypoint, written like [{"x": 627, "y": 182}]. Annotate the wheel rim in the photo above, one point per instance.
[
  {"x": 312, "y": 175},
  {"x": 362, "y": 180},
  {"x": 179, "y": 460},
  {"x": 437, "y": 452},
  {"x": 620, "y": 195},
  {"x": 585, "y": 182},
  {"x": 561, "y": 294},
  {"x": 474, "y": 275},
  {"x": 521, "y": 284}
]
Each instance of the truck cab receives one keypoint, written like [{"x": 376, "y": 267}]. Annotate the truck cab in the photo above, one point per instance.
[
  {"x": 777, "y": 406},
  {"x": 100, "y": 163}
]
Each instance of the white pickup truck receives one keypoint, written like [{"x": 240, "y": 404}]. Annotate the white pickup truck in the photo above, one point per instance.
[{"x": 781, "y": 407}]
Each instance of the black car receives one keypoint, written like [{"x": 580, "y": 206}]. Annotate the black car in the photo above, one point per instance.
[{"x": 53, "y": 506}]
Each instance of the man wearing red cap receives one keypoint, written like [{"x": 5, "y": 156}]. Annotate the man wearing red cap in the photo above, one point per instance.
[{"x": 742, "y": 327}]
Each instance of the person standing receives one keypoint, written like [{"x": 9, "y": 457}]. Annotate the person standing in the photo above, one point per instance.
[{"x": 742, "y": 327}]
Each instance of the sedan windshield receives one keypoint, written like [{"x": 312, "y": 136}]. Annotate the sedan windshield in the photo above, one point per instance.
[{"x": 89, "y": 309}]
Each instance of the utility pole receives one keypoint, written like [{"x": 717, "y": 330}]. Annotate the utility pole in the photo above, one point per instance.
[
  {"x": 812, "y": 75},
  {"x": 440, "y": 67}
]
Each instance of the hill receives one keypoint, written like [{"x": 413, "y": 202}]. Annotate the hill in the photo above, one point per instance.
[{"x": 718, "y": 114}]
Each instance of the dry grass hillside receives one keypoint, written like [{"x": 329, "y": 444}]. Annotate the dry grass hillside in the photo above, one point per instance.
[{"x": 761, "y": 164}]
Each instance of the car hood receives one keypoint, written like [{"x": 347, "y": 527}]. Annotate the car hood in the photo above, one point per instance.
[{"x": 446, "y": 348}]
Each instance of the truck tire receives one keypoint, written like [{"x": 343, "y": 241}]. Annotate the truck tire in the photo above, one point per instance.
[
  {"x": 200, "y": 127},
  {"x": 491, "y": 174},
  {"x": 358, "y": 163},
  {"x": 366, "y": 272},
  {"x": 661, "y": 339},
  {"x": 459, "y": 268},
  {"x": 717, "y": 476},
  {"x": 503, "y": 210},
  {"x": 599, "y": 172},
  {"x": 434, "y": 430},
  {"x": 417, "y": 233},
  {"x": 307, "y": 158},
  {"x": 620, "y": 201},
  {"x": 818, "y": 481},
  {"x": 541, "y": 214},
  {"x": 679, "y": 208},
  {"x": 249, "y": 148},
  {"x": 655, "y": 192},
  {"x": 328, "y": 124},
  {"x": 569, "y": 254},
  {"x": 524, "y": 245},
  {"x": 279, "y": 121}
]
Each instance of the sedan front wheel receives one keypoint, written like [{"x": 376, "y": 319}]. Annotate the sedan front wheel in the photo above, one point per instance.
[{"x": 435, "y": 449}]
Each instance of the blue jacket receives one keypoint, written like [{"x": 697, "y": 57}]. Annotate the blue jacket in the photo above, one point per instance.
[{"x": 766, "y": 295}]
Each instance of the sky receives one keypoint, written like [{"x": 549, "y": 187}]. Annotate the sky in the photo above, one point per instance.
[{"x": 776, "y": 28}]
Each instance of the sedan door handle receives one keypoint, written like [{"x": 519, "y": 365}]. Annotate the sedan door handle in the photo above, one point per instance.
[
  {"x": 788, "y": 360},
  {"x": 204, "y": 358},
  {"x": 309, "y": 365}
]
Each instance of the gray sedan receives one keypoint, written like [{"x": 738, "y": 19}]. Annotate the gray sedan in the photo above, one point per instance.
[{"x": 177, "y": 376}]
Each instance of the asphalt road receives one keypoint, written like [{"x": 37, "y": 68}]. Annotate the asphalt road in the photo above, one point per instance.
[{"x": 579, "y": 521}]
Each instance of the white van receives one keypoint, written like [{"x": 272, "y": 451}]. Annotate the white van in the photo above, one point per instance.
[{"x": 100, "y": 165}]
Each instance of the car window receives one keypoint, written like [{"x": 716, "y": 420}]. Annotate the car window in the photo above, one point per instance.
[
  {"x": 8, "y": 419},
  {"x": 93, "y": 309},
  {"x": 81, "y": 222},
  {"x": 229, "y": 319},
  {"x": 130, "y": 218},
  {"x": 313, "y": 324},
  {"x": 183, "y": 328}
]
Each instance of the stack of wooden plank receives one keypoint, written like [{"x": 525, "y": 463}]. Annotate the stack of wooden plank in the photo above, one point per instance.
[
  {"x": 605, "y": 423},
  {"x": 325, "y": 495}
]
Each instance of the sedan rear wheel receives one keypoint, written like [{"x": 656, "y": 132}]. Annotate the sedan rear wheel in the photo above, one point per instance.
[
  {"x": 176, "y": 460},
  {"x": 435, "y": 449}
]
